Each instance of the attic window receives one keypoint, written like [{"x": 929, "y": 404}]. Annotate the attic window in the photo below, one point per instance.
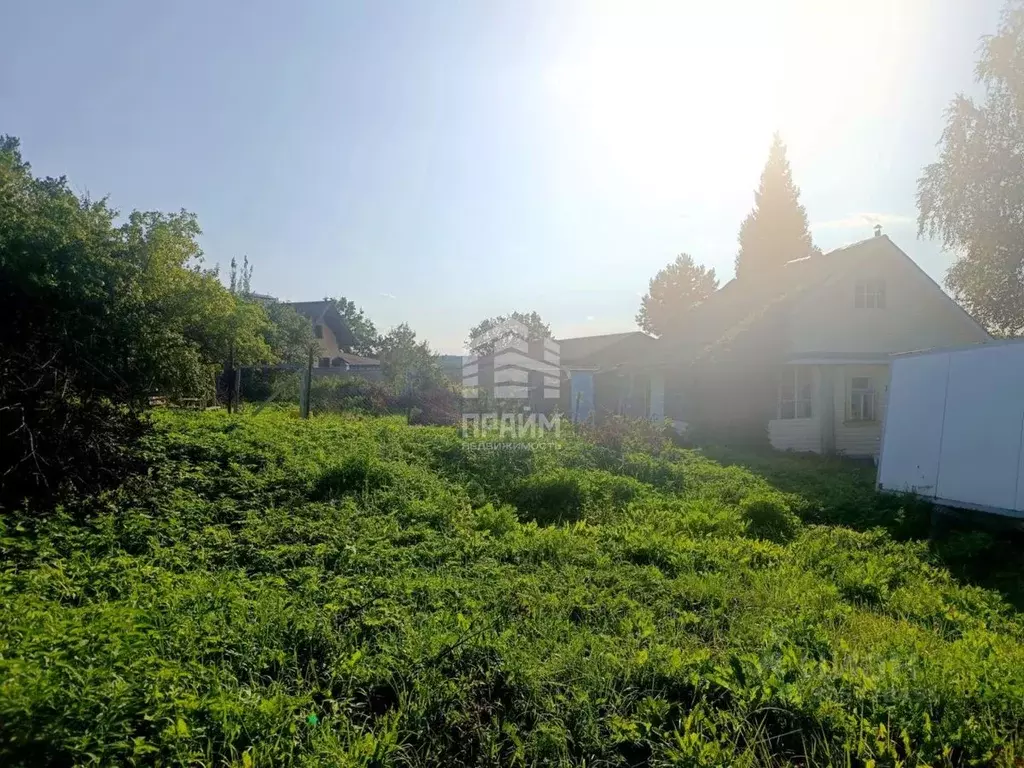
[
  {"x": 318, "y": 331},
  {"x": 869, "y": 294}
]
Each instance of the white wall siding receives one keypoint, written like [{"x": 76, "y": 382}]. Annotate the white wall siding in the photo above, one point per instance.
[
  {"x": 917, "y": 314},
  {"x": 859, "y": 440},
  {"x": 795, "y": 434}
]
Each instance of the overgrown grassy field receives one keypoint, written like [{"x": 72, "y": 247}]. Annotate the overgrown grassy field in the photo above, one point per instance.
[{"x": 350, "y": 591}]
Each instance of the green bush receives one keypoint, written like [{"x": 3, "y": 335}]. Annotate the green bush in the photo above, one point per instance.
[
  {"x": 769, "y": 517},
  {"x": 659, "y": 472},
  {"x": 261, "y": 385},
  {"x": 337, "y": 394},
  {"x": 563, "y": 495},
  {"x": 552, "y": 498},
  {"x": 965, "y": 546},
  {"x": 622, "y": 434},
  {"x": 496, "y": 520},
  {"x": 100, "y": 313},
  {"x": 355, "y": 591}
]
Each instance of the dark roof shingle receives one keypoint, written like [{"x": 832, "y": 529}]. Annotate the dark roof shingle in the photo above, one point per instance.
[
  {"x": 740, "y": 305},
  {"x": 351, "y": 359},
  {"x": 581, "y": 347}
]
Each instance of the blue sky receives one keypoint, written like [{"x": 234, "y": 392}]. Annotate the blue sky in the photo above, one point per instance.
[{"x": 438, "y": 162}]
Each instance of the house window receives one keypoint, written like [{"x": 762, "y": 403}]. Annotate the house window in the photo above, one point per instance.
[
  {"x": 869, "y": 294},
  {"x": 795, "y": 390},
  {"x": 862, "y": 403},
  {"x": 325, "y": 362},
  {"x": 318, "y": 331}
]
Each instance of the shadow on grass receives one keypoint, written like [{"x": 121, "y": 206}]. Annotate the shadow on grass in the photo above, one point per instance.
[{"x": 984, "y": 550}]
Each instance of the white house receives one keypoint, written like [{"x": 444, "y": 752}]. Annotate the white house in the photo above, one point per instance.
[{"x": 805, "y": 355}]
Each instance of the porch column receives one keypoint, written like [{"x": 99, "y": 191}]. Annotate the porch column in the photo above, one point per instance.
[{"x": 826, "y": 407}]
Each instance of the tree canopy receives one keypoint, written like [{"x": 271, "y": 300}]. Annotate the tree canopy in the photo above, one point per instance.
[
  {"x": 99, "y": 315},
  {"x": 485, "y": 336},
  {"x": 776, "y": 230},
  {"x": 677, "y": 288},
  {"x": 290, "y": 335},
  {"x": 972, "y": 197},
  {"x": 407, "y": 364},
  {"x": 363, "y": 329}
]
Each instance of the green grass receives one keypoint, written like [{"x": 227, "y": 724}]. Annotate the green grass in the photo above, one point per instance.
[{"x": 360, "y": 592}]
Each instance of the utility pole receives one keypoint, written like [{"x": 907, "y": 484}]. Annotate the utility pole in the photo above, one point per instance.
[
  {"x": 231, "y": 374},
  {"x": 307, "y": 383}
]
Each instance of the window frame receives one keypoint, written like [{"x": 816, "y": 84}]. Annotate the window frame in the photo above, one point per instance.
[
  {"x": 802, "y": 406},
  {"x": 869, "y": 294},
  {"x": 318, "y": 330},
  {"x": 868, "y": 400}
]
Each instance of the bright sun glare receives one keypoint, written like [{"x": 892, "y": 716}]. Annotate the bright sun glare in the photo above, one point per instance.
[{"x": 662, "y": 91}]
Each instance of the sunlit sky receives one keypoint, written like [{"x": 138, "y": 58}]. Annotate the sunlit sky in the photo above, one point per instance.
[{"x": 439, "y": 162}]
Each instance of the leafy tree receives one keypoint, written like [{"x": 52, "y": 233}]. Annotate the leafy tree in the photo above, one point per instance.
[
  {"x": 240, "y": 278},
  {"x": 98, "y": 317},
  {"x": 365, "y": 333},
  {"x": 290, "y": 335},
  {"x": 485, "y": 336},
  {"x": 775, "y": 231},
  {"x": 247, "y": 330},
  {"x": 407, "y": 364},
  {"x": 287, "y": 334},
  {"x": 676, "y": 288},
  {"x": 972, "y": 197}
]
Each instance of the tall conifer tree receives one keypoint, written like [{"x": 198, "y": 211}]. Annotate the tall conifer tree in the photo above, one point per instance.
[{"x": 775, "y": 231}]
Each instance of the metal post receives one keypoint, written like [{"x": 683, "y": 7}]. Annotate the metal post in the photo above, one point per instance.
[
  {"x": 231, "y": 375},
  {"x": 307, "y": 382}
]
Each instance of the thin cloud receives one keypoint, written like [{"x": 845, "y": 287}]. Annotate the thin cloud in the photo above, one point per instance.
[
  {"x": 858, "y": 220},
  {"x": 387, "y": 295},
  {"x": 590, "y": 318}
]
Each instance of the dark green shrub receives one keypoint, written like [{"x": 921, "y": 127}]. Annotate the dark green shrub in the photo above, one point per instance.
[
  {"x": 495, "y": 469},
  {"x": 911, "y": 519},
  {"x": 261, "y": 384},
  {"x": 965, "y": 546},
  {"x": 564, "y": 495},
  {"x": 605, "y": 491},
  {"x": 436, "y": 406},
  {"x": 355, "y": 474},
  {"x": 100, "y": 312},
  {"x": 769, "y": 518},
  {"x": 496, "y": 520},
  {"x": 338, "y": 393},
  {"x": 552, "y": 498},
  {"x": 622, "y": 434},
  {"x": 654, "y": 471}
]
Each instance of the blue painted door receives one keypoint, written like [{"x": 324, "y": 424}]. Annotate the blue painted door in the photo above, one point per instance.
[{"x": 581, "y": 405}]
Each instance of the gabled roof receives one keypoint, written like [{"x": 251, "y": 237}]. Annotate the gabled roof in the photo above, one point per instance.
[
  {"x": 739, "y": 306},
  {"x": 351, "y": 359},
  {"x": 325, "y": 312},
  {"x": 314, "y": 310},
  {"x": 582, "y": 349}
]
